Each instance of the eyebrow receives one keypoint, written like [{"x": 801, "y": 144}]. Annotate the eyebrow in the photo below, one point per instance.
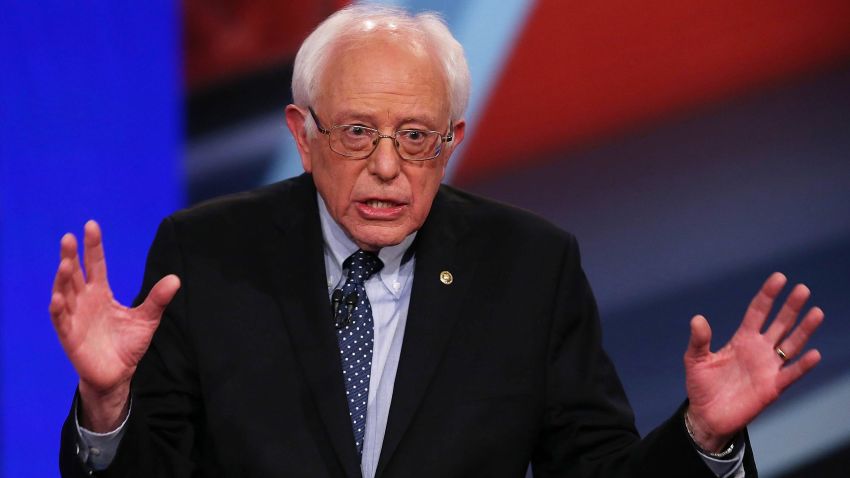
[
  {"x": 427, "y": 122},
  {"x": 352, "y": 116},
  {"x": 369, "y": 119}
]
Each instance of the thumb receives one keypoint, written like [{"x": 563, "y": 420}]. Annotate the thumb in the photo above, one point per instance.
[
  {"x": 699, "y": 345},
  {"x": 159, "y": 297}
]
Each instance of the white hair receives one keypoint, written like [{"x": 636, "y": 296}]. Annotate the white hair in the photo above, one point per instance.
[{"x": 357, "y": 21}]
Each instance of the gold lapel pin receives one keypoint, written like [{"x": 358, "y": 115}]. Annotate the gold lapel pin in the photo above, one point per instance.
[{"x": 446, "y": 277}]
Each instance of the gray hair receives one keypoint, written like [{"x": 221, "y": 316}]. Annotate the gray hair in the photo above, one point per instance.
[{"x": 357, "y": 21}]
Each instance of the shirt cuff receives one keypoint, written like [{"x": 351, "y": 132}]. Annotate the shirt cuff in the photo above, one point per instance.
[
  {"x": 728, "y": 467},
  {"x": 97, "y": 450}
]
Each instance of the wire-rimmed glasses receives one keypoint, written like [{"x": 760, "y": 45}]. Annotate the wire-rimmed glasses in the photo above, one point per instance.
[{"x": 356, "y": 141}]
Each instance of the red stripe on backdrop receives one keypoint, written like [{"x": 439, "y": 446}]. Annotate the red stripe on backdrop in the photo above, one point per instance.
[
  {"x": 581, "y": 70},
  {"x": 232, "y": 37}
]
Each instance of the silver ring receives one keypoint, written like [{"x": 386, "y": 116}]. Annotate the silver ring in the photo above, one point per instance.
[{"x": 781, "y": 354}]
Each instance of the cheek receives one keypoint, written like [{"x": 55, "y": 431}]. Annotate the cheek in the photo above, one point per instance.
[
  {"x": 335, "y": 184},
  {"x": 425, "y": 189}
]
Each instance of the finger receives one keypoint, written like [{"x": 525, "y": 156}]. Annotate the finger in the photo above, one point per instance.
[
  {"x": 59, "y": 308},
  {"x": 68, "y": 250},
  {"x": 59, "y": 314},
  {"x": 761, "y": 304},
  {"x": 94, "y": 259},
  {"x": 62, "y": 286},
  {"x": 794, "y": 343},
  {"x": 68, "y": 290},
  {"x": 159, "y": 297},
  {"x": 788, "y": 314},
  {"x": 699, "y": 345},
  {"x": 793, "y": 372}
]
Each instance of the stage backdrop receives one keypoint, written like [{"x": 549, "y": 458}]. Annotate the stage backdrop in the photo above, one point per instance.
[
  {"x": 91, "y": 127},
  {"x": 692, "y": 147}
]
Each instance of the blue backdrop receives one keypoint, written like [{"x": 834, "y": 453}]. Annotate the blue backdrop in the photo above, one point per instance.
[{"x": 85, "y": 87}]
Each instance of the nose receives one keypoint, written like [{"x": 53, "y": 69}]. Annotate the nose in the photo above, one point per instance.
[{"x": 384, "y": 162}]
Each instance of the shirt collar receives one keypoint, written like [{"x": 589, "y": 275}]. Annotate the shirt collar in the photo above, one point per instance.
[{"x": 338, "y": 246}]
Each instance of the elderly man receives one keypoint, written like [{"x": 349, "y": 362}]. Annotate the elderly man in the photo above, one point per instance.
[{"x": 362, "y": 319}]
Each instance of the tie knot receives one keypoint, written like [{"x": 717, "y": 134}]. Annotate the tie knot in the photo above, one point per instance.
[{"x": 361, "y": 265}]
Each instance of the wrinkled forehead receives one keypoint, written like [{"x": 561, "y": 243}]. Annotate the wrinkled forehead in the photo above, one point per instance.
[{"x": 374, "y": 43}]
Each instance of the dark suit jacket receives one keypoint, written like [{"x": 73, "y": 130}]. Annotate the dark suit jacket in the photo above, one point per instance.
[{"x": 502, "y": 367}]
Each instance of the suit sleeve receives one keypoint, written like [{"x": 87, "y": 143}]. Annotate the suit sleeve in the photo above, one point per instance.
[
  {"x": 588, "y": 428},
  {"x": 162, "y": 430}
]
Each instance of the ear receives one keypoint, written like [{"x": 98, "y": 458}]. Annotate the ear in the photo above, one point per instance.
[
  {"x": 296, "y": 120},
  {"x": 459, "y": 130}
]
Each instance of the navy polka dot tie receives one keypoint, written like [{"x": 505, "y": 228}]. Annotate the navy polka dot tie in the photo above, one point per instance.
[{"x": 355, "y": 336}]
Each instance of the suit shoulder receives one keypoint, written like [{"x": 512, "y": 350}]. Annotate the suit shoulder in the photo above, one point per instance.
[
  {"x": 248, "y": 207},
  {"x": 491, "y": 215}
]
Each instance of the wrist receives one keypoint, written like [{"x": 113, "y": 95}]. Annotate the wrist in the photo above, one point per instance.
[
  {"x": 102, "y": 411},
  {"x": 710, "y": 444}
]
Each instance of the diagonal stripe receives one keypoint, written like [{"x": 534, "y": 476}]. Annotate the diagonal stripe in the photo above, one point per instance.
[{"x": 797, "y": 432}]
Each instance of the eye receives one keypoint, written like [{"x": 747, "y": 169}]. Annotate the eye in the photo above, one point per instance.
[
  {"x": 356, "y": 130},
  {"x": 413, "y": 135},
  {"x": 351, "y": 138}
]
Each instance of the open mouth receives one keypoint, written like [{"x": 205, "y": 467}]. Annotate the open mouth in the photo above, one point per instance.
[
  {"x": 375, "y": 203},
  {"x": 380, "y": 209}
]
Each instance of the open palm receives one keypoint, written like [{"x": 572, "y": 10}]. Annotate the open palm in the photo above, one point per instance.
[
  {"x": 727, "y": 389},
  {"x": 103, "y": 339}
]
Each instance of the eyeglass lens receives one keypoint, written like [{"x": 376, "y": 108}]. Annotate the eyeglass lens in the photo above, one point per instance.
[{"x": 360, "y": 141}]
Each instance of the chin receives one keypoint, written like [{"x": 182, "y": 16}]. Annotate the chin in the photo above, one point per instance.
[{"x": 373, "y": 240}]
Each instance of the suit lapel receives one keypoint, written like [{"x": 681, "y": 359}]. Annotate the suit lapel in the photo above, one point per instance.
[
  {"x": 434, "y": 309},
  {"x": 297, "y": 273}
]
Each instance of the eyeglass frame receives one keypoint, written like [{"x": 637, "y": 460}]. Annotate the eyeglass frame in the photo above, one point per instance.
[{"x": 444, "y": 138}]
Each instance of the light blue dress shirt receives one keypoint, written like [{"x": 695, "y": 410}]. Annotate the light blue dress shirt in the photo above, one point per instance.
[{"x": 389, "y": 295}]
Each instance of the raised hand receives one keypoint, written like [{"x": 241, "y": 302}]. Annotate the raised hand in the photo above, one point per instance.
[
  {"x": 727, "y": 389},
  {"x": 103, "y": 339}
]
